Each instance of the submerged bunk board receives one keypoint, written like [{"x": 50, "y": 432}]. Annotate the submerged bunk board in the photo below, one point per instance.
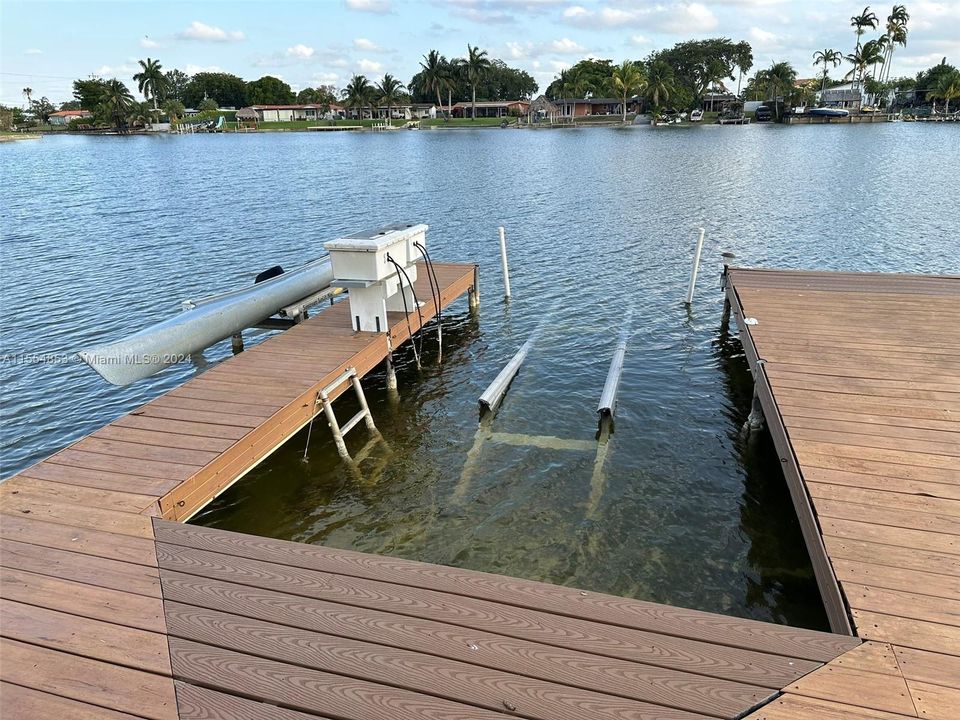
[{"x": 859, "y": 377}]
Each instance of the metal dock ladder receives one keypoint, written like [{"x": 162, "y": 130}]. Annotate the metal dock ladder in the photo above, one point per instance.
[{"x": 323, "y": 398}]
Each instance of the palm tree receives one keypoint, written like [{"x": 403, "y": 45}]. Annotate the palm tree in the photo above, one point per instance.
[
  {"x": 434, "y": 73},
  {"x": 744, "y": 61},
  {"x": 476, "y": 65},
  {"x": 358, "y": 94},
  {"x": 389, "y": 89},
  {"x": 575, "y": 85},
  {"x": 174, "y": 109},
  {"x": 826, "y": 57},
  {"x": 870, "y": 53},
  {"x": 896, "y": 35},
  {"x": 947, "y": 89},
  {"x": 28, "y": 93},
  {"x": 779, "y": 78},
  {"x": 116, "y": 102},
  {"x": 151, "y": 81},
  {"x": 659, "y": 82},
  {"x": 625, "y": 81},
  {"x": 860, "y": 23}
]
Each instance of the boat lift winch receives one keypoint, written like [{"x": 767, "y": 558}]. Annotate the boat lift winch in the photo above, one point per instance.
[{"x": 491, "y": 399}]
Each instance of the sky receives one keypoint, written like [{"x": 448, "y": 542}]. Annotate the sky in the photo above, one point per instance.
[{"x": 46, "y": 45}]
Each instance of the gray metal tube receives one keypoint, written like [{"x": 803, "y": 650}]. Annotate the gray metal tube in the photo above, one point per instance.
[
  {"x": 492, "y": 397},
  {"x": 695, "y": 270},
  {"x": 210, "y": 320},
  {"x": 608, "y": 398}
]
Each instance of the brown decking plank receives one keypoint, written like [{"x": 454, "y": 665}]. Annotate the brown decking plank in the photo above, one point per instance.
[
  {"x": 192, "y": 411},
  {"x": 83, "y": 540},
  {"x": 139, "y": 451},
  {"x": 940, "y": 610},
  {"x": 208, "y": 443},
  {"x": 123, "y": 482},
  {"x": 97, "y": 683},
  {"x": 89, "y": 569},
  {"x": 888, "y": 535},
  {"x": 926, "y": 666},
  {"x": 99, "y": 603},
  {"x": 577, "y": 669},
  {"x": 876, "y": 467},
  {"x": 847, "y": 402},
  {"x": 879, "y": 441},
  {"x": 23, "y": 703},
  {"x": 875, "y": 691},
  {"x": 461, "y": 682},
  {"x": 937, "y": 389},
  {"x": 115, "y": 464},
  {"x": 886, "y": 499},
  {"x": 231, "y": 413},
  {"x": 894, "y": 517},
  {"x": 798, "y": 707},
  {"x": 226, "y": 400},
  {"x": 934, "y": 702},
  {"x": 181, "y": 426},
  {"x": 871, "y": 656},
  {"x": 896, "y": 578},
  {"x": 308, "y": 690},
  {"x": 75, "y": 494},
  {"x": 947, "y": 564},
  {"x": 199, "y": 703},
  {"x": 882, "y": 482},
  {"x": 908, "y": 632},
  {"x": 603, "y": 672},
  {"x": 86, "y": 637},
  {"x": 889, "y": 425},
  {"x": 121, "y": 523},
  {"x": 468, "y": 603}
]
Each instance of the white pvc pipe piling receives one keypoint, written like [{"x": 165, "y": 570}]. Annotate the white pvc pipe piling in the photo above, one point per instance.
[
  {"x": 503, "y": 260},
  {"x": 492, "y": 397},
  {"x": 695, "y": 270},
  {"x": 608, "y": 398}
]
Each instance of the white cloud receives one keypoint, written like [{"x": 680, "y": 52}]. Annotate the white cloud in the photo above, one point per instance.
[
  {"x": 304, "y": 52},
  {"x": 194, "y": 69},
  {"x": 518, "y": 50},
  {"x": 566, "y": 46},
  {"x": 369, "y": 66},
  {"x": 762, "y": 38},
  {"x": 379, "y": 7},
  {"x": 339, "y": 62},
  {"x": 639, "y": 40},
  {"x": 209, "y": 33},
  {"x": 366, "y": 45},
  {"x": 147, "y": 44},
  {"x": 559, "y": 65},
  {"x": 33, "y": 51},
  {"x": 115, "y": 70},
  {"x": 327, "y": 78},
  {"x": 676, "y": 18}
]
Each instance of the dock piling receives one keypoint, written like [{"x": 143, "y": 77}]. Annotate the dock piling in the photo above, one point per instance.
[
  {"x": 503, "y": 261},
  {"x": 696, "y": 268},
  {"x": 236, "y": 343}
]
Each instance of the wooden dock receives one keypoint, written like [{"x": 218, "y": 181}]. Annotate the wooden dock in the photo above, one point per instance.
[
  {"x": 858, "y": 375},
  {"x": 111, "y": 608}
]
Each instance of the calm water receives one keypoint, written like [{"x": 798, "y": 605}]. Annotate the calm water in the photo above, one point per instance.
[{"x": 102, "y": 236}]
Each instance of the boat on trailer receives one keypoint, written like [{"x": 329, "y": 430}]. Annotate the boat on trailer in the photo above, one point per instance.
[{"x": 696, "y": 115}]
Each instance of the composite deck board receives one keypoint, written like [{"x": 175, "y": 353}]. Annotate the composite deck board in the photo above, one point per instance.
[{"x": 862, "y": 376}]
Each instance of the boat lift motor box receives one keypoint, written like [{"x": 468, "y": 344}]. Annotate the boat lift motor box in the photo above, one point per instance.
[{"x": 375, "y": 286}]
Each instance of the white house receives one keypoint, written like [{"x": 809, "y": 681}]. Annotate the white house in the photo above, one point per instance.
[{"x": 65, "y": 116}]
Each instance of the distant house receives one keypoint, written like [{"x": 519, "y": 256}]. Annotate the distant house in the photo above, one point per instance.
[
  {"x": 289, "y": 113},
  {"x": 717, "y": 101},
  {"x": 422, "y": 111},
  {"x": 542, "y": 110},
  {"x": 841, "y": 96},
  {"x": 65, "y": 116},
  {"x": 492, "y": 108},
  {"x": 582, "y": 107}
]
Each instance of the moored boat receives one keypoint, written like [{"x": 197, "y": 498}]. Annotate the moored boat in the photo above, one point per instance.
[{"x": 828, "y": 112}]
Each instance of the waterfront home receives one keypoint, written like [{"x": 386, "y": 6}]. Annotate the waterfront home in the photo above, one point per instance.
[
  {"x": 543, "y": 110},
  {"x": 841, "y": 96},
  {"x": 492, "y": 108},
  {"x": 423, "y": 111},
  {"x": 582, "y": 107},
  {"x": 717, "y": 101},
  {"x": 64, "y": 117},
  {"x": 290, "y": 113}
]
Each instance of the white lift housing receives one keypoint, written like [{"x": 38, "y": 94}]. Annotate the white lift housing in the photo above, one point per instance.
[{"x": 360, "y": 264}]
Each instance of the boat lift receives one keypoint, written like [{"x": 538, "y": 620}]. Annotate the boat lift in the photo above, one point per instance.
[{"x": 492, "y": 398}]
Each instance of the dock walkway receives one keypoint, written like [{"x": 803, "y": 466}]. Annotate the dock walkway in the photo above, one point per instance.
[
  {"x": 112, "y": 608},
  {"x": 858, "y": 375}
]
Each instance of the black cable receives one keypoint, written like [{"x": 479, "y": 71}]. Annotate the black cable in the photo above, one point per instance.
[
  {"x": 406, "y": 311},
  {"x": 434, "y": 283}
]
